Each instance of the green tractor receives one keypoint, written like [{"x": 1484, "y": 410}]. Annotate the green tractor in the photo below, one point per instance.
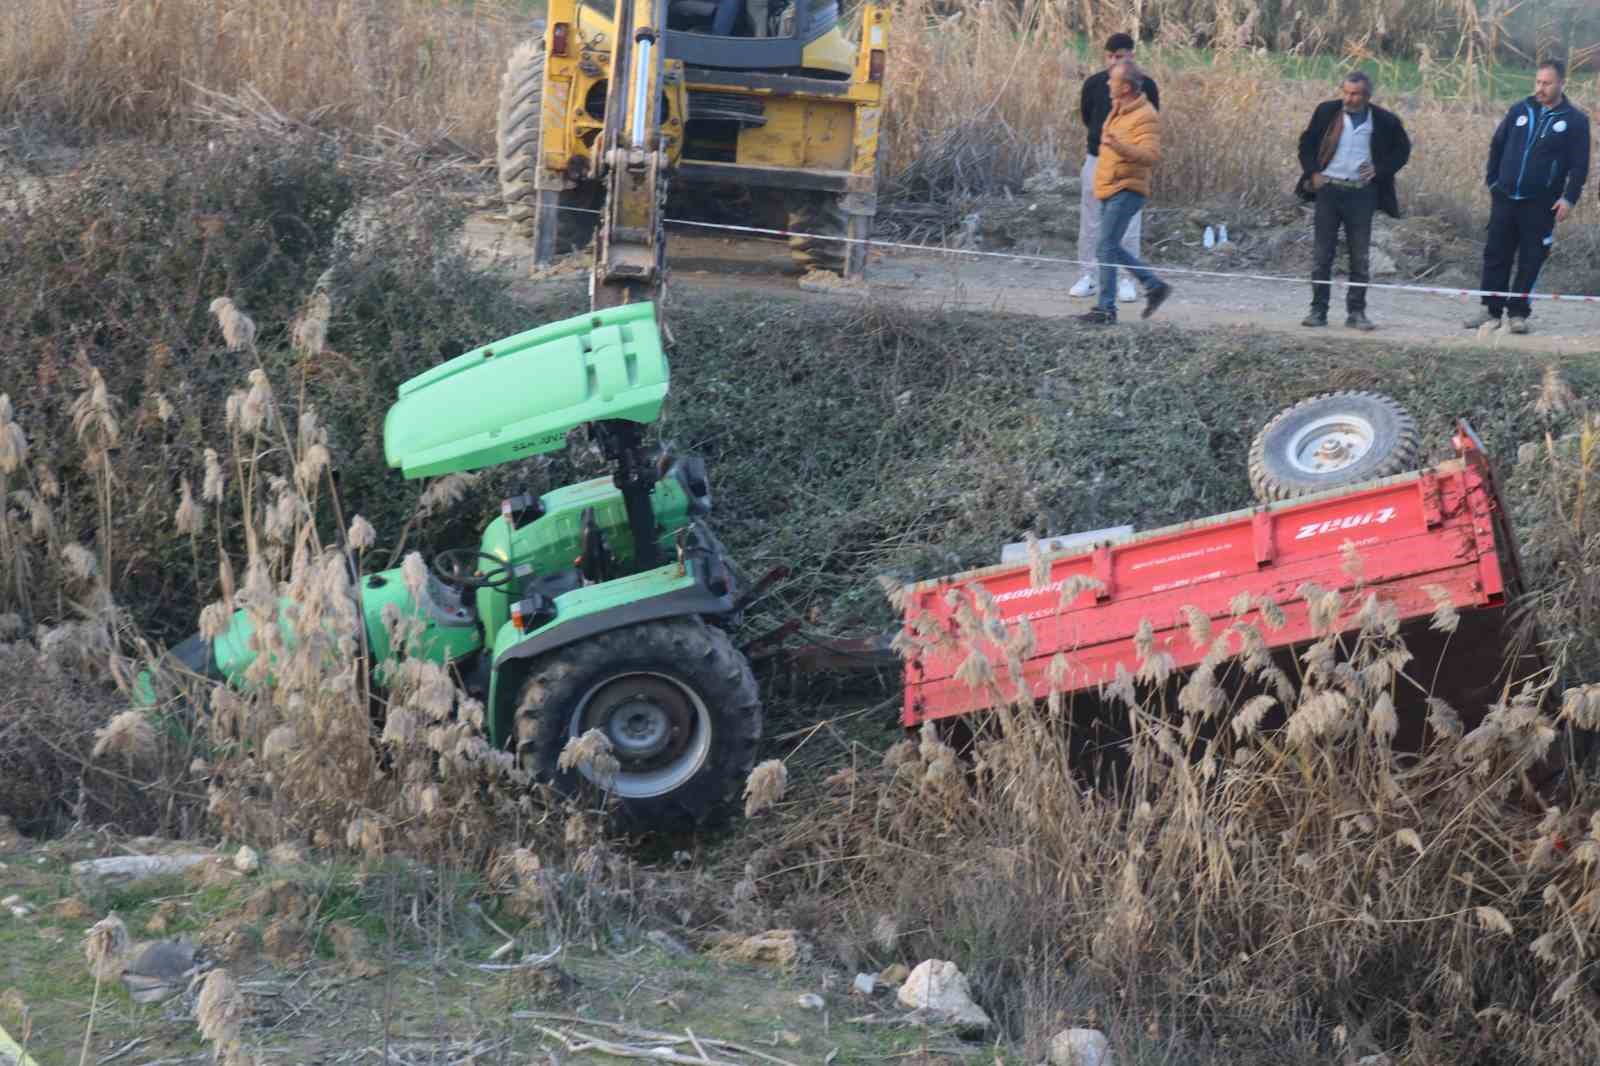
[{"x": 593, "y": 606}]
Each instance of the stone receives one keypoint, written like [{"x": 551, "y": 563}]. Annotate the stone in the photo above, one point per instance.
[
  {"x": 668, "y": 943},
  {"x": 160, "y": 921},
  {"x": 124, "y": 870},
  {"x": 1080, "y": 1047},
  {"x": 286, "y": 855},
  {"x": 810, "y": 1001},
  {"x": 1053, "y": 182},
  {"x": 72, "y": 909},
  {"x": 247, "y": 860},
  {"x": 281, "y": 898},
  {"x": 161, "y": 970},
  {"x": 865, "y": 984},
  {"x": 284, "y": 941},
  {"x": 940, "y": 989},
  {"x": 775, "y": 947},
  {"x": 215, "y": 870},
  {"x": 894, "y": 975}
]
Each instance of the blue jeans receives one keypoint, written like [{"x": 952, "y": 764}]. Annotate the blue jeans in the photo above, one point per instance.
[{"x": 1115, "y": 214}]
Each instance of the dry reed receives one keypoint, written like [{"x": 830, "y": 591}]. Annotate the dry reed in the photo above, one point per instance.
[{"x": 1261, "y": 885}]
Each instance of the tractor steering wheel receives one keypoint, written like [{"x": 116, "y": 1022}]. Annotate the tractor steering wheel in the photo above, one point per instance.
[{"x": 458, "y": 567}]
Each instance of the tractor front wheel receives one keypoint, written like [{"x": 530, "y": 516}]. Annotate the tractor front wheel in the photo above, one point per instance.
[{"x": 678, "y": 704}]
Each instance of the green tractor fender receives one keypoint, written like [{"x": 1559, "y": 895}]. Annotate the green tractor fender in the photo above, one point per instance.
[{"x": 702, "y": 586}]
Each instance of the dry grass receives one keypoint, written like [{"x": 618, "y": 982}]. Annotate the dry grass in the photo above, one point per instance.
[
  {"x": 140, "y": 66},
  {"x": 422, "y": 71},
  {"x": 1231, "y": 120},
  {"x": 1255, "y": 888}
]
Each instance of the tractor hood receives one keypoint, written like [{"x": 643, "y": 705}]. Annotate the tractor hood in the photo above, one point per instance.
[{"x": 519, "y": 396}]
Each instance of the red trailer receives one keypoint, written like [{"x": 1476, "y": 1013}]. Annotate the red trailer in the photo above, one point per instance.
[{"x": 1414, "y": 534}]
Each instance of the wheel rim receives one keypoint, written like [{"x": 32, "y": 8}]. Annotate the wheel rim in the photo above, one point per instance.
[
  {"x": 659, "y": 729},
  {"x": 1330, "y": 444}
]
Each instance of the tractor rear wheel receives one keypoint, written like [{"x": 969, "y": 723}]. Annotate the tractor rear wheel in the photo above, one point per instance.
[
  {"x": 545, "y": 216},
  {"x": 677, "y": 702},
  {"x": 815, "y": 216},
  {"x": 1331, "y": 441}
]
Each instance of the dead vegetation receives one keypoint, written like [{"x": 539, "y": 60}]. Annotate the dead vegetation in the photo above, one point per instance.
[
  {"x": 169, "y": 456},
  {"x": 142, "y": 66},
  {"x": 1287, "y": 893},
  {"x": 411, "y": 73}
]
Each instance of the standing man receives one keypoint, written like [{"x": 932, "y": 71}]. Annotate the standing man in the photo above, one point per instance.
[
  {"x": 1095, "y": 106},
  {"x": 1538, "y": 162},
  {"x": 1349, "y": 155},
  {"x": 1130, "y": 148}
]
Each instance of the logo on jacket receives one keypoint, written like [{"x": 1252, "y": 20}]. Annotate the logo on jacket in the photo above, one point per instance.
[
  {"x": 1522, "y": 120},
  {"x": 1560, "y": 127}
]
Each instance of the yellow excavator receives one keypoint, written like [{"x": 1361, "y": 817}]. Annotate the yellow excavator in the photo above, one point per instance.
[{"x": 760, "y": 109}]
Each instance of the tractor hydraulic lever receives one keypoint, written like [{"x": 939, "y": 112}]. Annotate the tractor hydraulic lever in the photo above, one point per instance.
[{"x": 622, "y": 443}]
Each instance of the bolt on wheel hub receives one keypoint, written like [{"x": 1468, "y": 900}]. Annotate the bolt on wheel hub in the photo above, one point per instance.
[
  {"x": 659, "y": 729},
  {"x": 638, "y": 729},
  {"x": 1330, "y": 444}
]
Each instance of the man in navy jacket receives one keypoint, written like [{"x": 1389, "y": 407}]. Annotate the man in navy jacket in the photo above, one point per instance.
[{"x": 1538, "y": 162}]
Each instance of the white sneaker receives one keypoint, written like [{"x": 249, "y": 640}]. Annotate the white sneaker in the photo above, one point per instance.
[
  {"x": 1085, "y": 287},
  {"x": 1126, "y": 292}
]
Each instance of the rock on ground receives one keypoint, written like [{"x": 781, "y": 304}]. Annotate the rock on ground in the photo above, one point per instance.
[
  {"x": 1080, "y": 1047},
  {"x": 941, "y": 989},
  {"x": 776, "y": 947},
  {"x": 129, "y": 869},
  {"x": 160, "y": 971}
]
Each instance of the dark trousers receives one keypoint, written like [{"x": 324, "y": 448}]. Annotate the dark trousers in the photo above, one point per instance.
[
  {"x": 1519, "y": 229},
  {"x": 1351, "y": 208}
]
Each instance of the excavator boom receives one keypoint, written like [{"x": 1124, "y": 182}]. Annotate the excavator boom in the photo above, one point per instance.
[{"x": 629, "y": 249}]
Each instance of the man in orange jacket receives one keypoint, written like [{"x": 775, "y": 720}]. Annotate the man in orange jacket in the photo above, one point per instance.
[{"x": 1130, "y": 148}]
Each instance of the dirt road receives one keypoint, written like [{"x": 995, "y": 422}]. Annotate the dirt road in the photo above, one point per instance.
[{"x": 703, "y": 263}]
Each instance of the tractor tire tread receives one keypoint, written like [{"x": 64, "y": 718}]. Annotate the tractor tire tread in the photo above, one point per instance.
[
  {"x": 517, "y": 140},
  {"x": 555, "y": 682}
]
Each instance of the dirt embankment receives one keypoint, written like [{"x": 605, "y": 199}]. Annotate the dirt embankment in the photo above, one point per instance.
[{"x": 1019, "y": 260}]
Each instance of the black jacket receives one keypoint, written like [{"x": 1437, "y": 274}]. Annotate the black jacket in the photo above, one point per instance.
[
  {"x": 1540, "y": 153},
  {"x": 1094, "y": 104},
  {"x": 1391, "y": 148}
]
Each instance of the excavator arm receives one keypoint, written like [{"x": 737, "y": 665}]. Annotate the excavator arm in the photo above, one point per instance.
[{"x": 630, "y": 247}]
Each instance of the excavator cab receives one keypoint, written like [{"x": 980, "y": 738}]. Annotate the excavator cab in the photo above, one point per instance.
[
  {"x": 616, "y": 101},
  {"x": 758, "y": 35}
]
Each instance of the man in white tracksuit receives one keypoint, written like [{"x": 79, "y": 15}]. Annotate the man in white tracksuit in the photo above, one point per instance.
[{"x": 1095, "y": 106}]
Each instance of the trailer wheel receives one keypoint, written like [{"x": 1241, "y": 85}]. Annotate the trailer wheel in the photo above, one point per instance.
[
  {"x": 678, "y": 703},
  {"x": 1330, "y": 441},
  {"x": 541, "y": 215}
]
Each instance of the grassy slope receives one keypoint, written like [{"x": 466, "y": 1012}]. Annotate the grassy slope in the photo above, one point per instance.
[
  {"x": 312, "y": 1010},
  {"x": 848, "y": 443}
]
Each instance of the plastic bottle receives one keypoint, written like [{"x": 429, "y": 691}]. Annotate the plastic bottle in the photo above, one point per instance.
[
  {"x": 1222, "y": 234},
  {"x": 1210, "y": 239}
]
